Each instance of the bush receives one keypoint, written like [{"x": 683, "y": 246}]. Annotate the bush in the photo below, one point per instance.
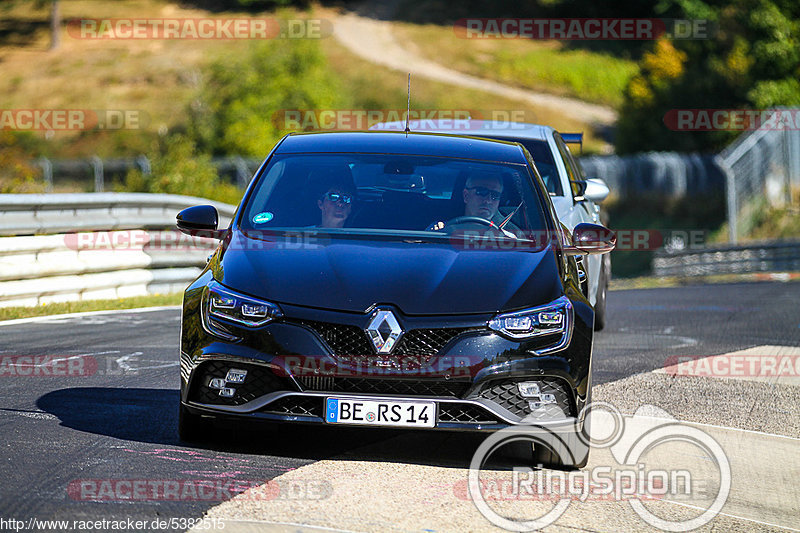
[
  {"x": 17, "y": 174},
  {"x": 178, "y": 168},
  {"x": 240, "y": 103}
]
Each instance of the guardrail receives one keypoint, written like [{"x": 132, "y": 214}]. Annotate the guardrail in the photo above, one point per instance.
[
  {"x": 774, "y": 256},
  {"x": 60, "y": 247}
]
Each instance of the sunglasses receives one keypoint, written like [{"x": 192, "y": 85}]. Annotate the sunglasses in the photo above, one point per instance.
[
  {"x": 484, "y": 192},
  {"x": 335, "y": 197}
]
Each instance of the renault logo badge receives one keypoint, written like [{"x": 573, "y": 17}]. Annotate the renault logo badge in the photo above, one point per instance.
[{"x": 384, "y": 331}]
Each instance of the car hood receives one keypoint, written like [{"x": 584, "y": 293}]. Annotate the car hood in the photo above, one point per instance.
[{"x": 351, "y": 274}]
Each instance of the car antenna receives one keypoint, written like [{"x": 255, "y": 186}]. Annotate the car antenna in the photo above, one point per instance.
[{"x": 408, "y": 105}]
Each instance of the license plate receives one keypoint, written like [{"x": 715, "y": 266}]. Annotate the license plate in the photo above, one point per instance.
[{"x": 380, "y": 412}]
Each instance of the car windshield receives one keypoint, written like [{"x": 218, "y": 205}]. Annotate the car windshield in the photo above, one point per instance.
[
  {"x": 391, "y": 193},
  {"x": 543, "y": 157}
]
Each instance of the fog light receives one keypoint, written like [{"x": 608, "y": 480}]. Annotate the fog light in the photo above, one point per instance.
[
  {"x": 236, "y": 376},
  {"x": 227, "y": 392},
  {"x": 528, "y": 389},
  {"x": 217, "y": 383}
]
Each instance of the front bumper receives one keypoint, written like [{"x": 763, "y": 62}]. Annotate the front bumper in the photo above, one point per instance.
[{"x": 469, "y": 371}]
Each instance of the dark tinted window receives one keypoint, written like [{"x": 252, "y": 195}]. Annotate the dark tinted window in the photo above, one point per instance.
[
  {"x": 543, "y": 157},
  {"x": 387, "y": 192}
]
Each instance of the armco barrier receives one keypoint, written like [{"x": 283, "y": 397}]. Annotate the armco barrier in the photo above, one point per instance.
[
  {"x": 775, "y": 256},
  {"x": 60, "y": 247}
]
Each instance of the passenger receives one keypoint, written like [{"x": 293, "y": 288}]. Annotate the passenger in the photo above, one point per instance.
[{"x": 335, "y": 205}]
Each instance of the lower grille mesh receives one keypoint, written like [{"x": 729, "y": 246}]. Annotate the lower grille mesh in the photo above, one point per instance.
[
  {"x": 259, "y": 381},
  {"x": 296, "y": 405},
  {"x": 408, "y": 387},
  {"x": 506, "y": 394},
  {"x": 465, "y": 413}
]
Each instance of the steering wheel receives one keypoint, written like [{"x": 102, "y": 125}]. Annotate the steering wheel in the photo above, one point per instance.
[{"x": 463, "y": 220}]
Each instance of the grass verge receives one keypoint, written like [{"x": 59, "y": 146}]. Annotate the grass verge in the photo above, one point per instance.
[
  {"x": 652, "y": 282},
  {"x": 545, "y": 66},
  {"x": 60, "y": 308}
]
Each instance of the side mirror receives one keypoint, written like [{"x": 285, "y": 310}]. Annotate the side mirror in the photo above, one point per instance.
[
  {"x": 596, "y": 190},
  {"x": 199, "y": 220},
  {"x": 591, "y": 239},
  {"x": 578, "y": 189}
]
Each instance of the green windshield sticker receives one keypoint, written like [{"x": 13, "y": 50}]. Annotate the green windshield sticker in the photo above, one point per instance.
[{"x": 261, "y": 218}]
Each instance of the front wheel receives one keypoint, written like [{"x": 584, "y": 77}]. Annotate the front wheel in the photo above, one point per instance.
[
  {"x": 602, "y": 289},
  {"x": 574, "y": 453}
]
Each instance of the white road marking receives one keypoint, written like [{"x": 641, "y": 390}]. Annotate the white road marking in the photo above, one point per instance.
[
  {"x": 38, "y": 415},
  {"x": 49, "y": 318}
]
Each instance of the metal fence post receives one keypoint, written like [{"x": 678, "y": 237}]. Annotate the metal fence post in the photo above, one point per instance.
[
  {"x": 47, "y": 173},
  {"x": 97, "y": 166},
  {"x": 242, "y": 172},
  {"x": 730, "y": 191},
  {"x": 144, "y": 165}
]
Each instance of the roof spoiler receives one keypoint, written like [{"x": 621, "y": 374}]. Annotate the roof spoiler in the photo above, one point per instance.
[{"x": 573, "y": 138}]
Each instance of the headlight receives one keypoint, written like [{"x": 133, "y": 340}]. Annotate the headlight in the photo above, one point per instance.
[
  {"x": 550, "y": 319},
  {"x": 238, "y": 309}
]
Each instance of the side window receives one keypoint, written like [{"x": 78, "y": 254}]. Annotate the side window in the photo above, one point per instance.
[{"x": 573, "y": 173}]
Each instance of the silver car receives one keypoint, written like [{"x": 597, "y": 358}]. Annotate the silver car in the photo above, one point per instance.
[{"x": 575, "y": 197}]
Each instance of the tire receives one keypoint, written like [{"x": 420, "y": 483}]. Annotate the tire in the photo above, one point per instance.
[
  {"x": 602, "y": 289},
  {"x": 533, "y": 455},
  {"x": 191, "y": 427},
  {"x": 575, "y": 456}
]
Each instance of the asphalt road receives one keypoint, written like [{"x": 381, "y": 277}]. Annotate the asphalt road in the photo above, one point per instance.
[{"x": 113, "y": 416}]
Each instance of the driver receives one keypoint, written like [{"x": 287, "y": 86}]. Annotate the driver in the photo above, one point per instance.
[{"x": 482, "y": 194}]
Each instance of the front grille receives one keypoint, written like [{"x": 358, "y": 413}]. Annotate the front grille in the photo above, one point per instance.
[
  {"x": 506, "y": 394},
  {"x": 295, "y": 405},
  {"x": 347, "y": 340},
  {"x": 425, "y": 342},
  {"x": 259, "y": 381},
  {"x": 465, "y": 413},
  {"x": 385, "y": 386},
  {"x": 341, "y": 338}
]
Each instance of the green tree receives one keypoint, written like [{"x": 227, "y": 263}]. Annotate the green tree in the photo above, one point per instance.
[
  {"x": 751, "y": 60},
  {"x": 241, "y": 104}
]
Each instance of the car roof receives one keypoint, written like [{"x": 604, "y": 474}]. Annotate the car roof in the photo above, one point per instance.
[
  {"x": 392, "y": 142},
  {"x": 478, "y": 128}
]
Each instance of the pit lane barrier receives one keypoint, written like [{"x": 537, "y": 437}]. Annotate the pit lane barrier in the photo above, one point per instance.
[
  {"x": 41, "y": 261},
  {"x": 765, "y": 256}
]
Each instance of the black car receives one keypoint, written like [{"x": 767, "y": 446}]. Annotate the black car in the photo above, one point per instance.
[{"x": 390, "y": 279}]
